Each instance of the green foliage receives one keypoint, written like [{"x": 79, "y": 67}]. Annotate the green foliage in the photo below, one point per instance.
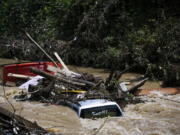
[
  {"x": 37, "y": 17},
  {"x": 103, "y": 33}
]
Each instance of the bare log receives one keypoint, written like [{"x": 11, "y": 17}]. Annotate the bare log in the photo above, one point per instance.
[
  {"x": 50, "y": 76},
  {"x": 91, "y": 84},
  {"x": 137, "y": 85},
  {"x": 70, "y": 77}
]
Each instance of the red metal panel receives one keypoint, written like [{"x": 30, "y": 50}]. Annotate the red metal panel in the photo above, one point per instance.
[{"x": 24, "y": 69}]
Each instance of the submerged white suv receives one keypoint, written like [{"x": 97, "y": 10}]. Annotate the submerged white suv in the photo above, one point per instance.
[{"x": 96, "y": 108}]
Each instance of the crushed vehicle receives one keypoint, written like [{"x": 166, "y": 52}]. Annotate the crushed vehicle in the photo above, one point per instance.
[{"x": 96, "y": 108}]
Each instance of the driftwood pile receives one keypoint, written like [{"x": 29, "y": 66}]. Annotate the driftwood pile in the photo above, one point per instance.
[{"x": 59, "y": 87}]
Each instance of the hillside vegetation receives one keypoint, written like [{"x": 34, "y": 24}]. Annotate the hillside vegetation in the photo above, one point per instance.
[{"x": 113, "y": 34}]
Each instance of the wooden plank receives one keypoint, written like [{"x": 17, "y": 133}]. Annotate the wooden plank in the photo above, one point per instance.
[
  {"x": 62, "y": 63},
  {"x": 57, "y": 71},
  {"x": 19, "y": 76}
]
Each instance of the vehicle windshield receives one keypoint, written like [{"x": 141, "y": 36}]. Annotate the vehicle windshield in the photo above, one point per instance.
[{"x": 99, "y": 112}]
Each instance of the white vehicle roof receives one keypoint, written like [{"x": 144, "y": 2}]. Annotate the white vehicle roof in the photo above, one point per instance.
[{"x": 95, "y": 103}]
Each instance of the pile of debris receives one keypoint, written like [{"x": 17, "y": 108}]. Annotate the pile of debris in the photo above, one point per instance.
[
  {"x": 67, "y": 85},
  {"x": 11, "y": 124},
  {"x": 56, "y": 82}
]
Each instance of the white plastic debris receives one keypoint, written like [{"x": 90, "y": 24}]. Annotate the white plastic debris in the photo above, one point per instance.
[
  {"x": 123, "y": 86},
  {"x": 34, "y": 81}
]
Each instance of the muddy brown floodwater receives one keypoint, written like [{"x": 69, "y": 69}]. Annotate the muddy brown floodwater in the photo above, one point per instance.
[{"x": 158, "y": 115}]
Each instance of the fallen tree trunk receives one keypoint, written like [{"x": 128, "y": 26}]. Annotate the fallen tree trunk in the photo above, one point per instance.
[
  {"x": 50, "y": 76},
  {"x": 73, "y": 81}
]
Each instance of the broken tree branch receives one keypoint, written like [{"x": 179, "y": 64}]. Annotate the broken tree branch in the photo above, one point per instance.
[
  {"x": 28, "y": 35},
  {"x": 139, "y": 84}
]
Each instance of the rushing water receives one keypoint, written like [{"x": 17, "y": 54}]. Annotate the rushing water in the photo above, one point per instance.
[{"x": 158, "y": 115}]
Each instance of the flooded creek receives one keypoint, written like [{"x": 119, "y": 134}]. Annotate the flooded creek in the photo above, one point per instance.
[
  {"x": 158, "y": 115},
  {"x": 54, "y": 118}
]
